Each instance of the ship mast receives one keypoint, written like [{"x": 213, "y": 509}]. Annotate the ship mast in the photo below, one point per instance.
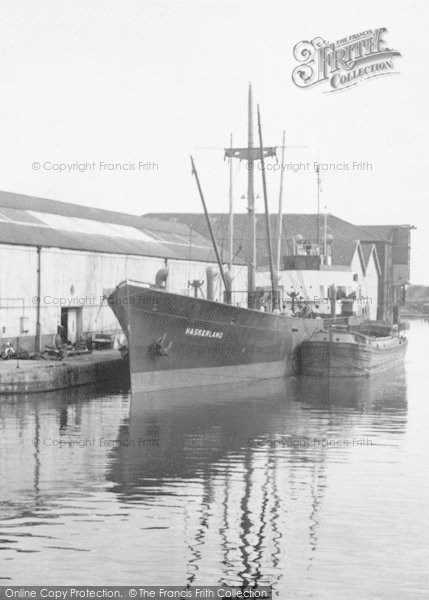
[
  {"x": 280, "y": 218},
  {"x": 250, "y": 154},
  {"x": 318, "y": 207},
  {"x": 231, "y": 214},
  {"x": 267, "y": 219},
  {"x": 251, "y": 235}
]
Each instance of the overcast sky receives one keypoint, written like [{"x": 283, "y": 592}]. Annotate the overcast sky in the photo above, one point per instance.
[{"x": 120, "y": 81}]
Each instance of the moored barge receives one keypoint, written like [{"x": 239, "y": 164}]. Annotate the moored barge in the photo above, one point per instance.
[{"x": 351, "y": 353}]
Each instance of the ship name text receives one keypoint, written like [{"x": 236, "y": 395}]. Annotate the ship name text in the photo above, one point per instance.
[{"x": 204, "y": 333}]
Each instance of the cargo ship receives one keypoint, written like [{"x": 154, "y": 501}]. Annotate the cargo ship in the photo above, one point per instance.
[
  {"x": 359, "y": 352},
  {"x": 182, "y": 341}
]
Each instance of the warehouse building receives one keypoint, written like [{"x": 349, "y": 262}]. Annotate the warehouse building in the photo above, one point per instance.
[
  {"x": 59, "y": 261},
  {"x": 393, "y": 244}
]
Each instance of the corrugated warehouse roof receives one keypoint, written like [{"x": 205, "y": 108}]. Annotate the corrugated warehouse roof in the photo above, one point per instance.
[{"x": 30, "y": 221}]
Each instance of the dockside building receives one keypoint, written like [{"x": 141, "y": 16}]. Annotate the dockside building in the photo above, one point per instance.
[{"x": 59, "y": 261}]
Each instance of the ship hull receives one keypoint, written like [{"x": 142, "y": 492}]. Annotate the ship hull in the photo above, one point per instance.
[
  {"x": 179, "y": 341},
  {"x": 341, "y": 359}
]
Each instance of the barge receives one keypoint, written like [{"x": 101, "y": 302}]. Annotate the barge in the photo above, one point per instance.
[{"x": 357, "y": 352}]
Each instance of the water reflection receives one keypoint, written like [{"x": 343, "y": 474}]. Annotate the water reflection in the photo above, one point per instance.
[
  {"x": 280, "y": 482},
  {"x": 248, "y": 453},
  {"x": 46, "y": 446}
]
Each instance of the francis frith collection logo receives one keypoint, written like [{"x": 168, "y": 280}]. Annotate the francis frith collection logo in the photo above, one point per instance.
[{"x": 343, "y": 63}]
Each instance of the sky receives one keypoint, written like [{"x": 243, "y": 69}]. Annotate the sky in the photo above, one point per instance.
[{"x": 139, "y": 83}]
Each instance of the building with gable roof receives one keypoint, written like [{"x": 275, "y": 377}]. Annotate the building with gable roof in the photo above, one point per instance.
[{"x": 58, "y": 262}]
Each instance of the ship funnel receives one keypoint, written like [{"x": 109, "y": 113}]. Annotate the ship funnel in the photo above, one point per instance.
[
  {"x": 161, "y": 278},
  {"x": 211, "y": 274}
]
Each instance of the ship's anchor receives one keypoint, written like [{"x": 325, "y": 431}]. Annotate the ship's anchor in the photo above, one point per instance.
[{"x": 161, "y": 347}]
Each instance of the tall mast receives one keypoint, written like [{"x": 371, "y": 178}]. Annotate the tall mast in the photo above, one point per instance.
[
  {"x": 318, "y": 206},
  {"x": 231, "y": 213},
  {"x": 280, "y": 219},
  {"x": 251, "y": 235},
  {"x": 325, "y": 239},
  {"x": 252, "y": 155},
  {"x": 267, "y": 216}
]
